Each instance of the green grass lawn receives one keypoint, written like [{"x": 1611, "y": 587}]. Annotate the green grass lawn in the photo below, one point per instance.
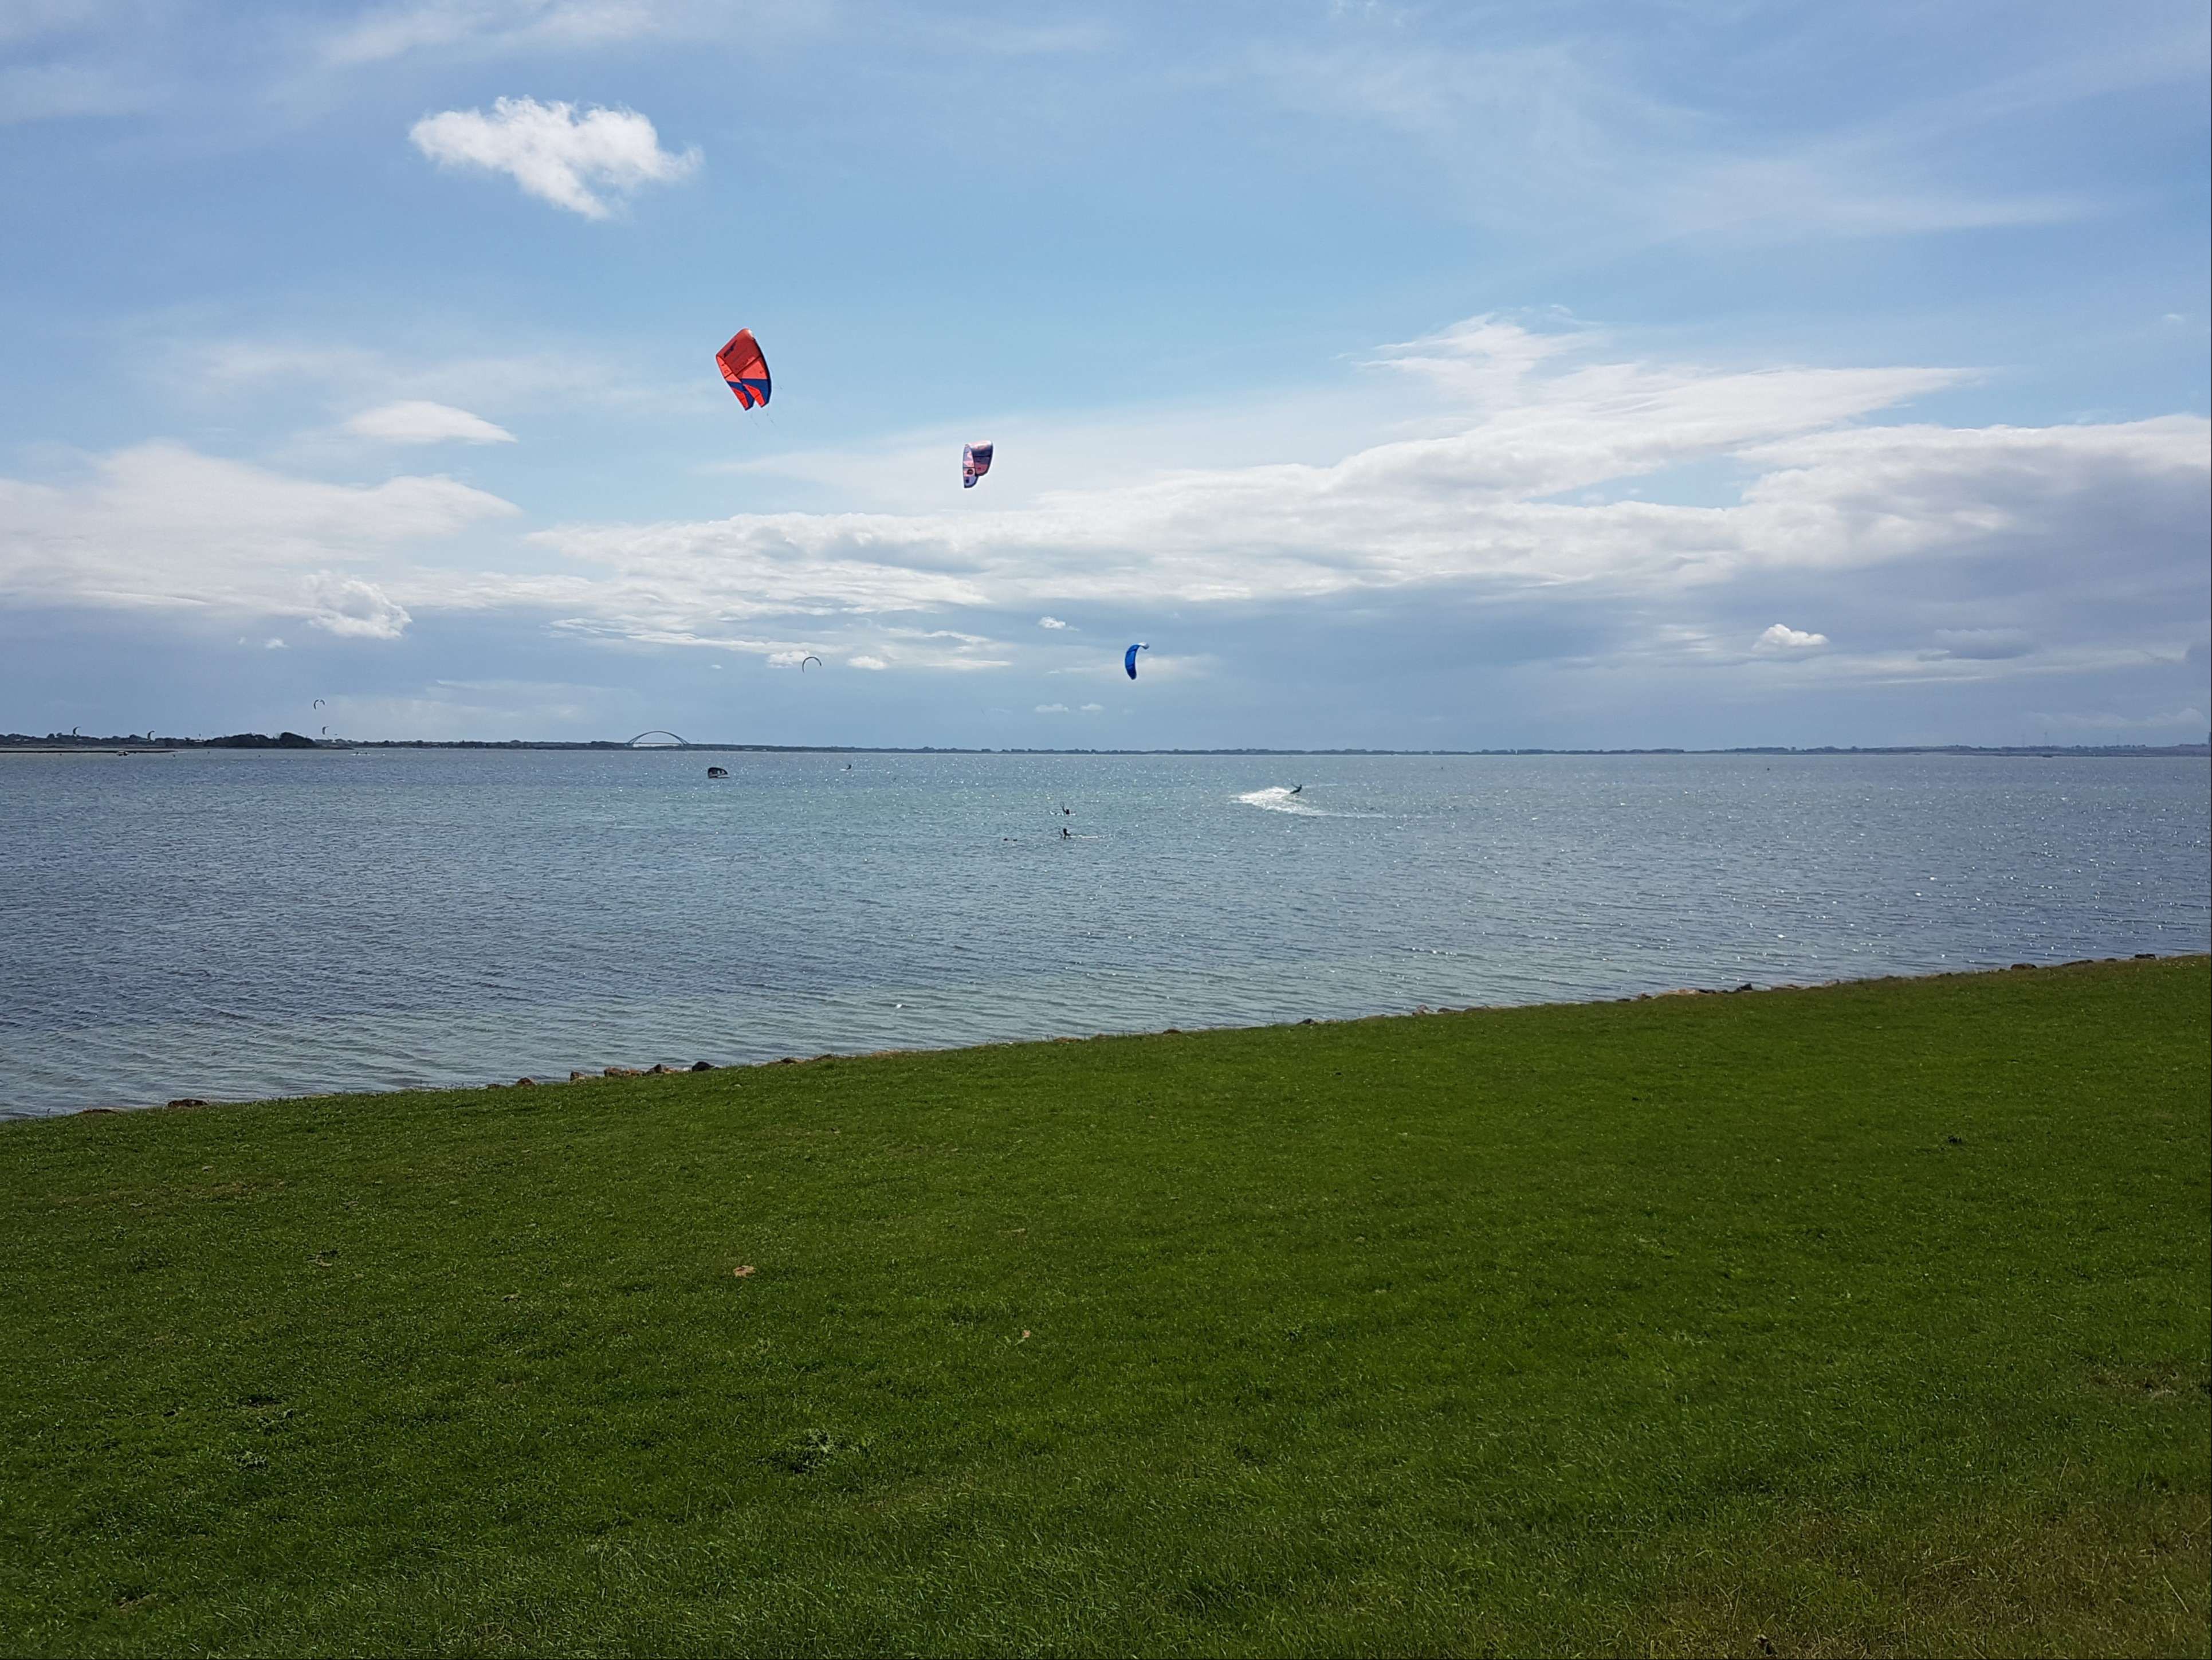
[{"x": 1865, "y": 1319}]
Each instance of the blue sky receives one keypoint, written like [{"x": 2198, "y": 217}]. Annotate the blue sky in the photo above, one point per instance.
[{"x": 1409, "y": 376}]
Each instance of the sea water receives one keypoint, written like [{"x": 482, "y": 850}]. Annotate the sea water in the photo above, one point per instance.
[{"x": 234, "y": 924}]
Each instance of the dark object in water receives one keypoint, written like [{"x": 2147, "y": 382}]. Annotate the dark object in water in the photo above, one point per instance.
[{"x": 717, "y": 772}]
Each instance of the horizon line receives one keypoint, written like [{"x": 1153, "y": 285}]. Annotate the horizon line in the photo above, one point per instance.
[{"x": 63, "y": 743}]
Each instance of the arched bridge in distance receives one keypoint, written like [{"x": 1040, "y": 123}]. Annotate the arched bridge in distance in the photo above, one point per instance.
[{"x": 673, "y": 740}]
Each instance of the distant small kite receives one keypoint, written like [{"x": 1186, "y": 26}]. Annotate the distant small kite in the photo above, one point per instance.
[
  {"x": 744, "y": 369},
  {"x": 804, "y": 661},
  {"x": 1129, "y": 658},
  {"x": 975, "y": 462}
]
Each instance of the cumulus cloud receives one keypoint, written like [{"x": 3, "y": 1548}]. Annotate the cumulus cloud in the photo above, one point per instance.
[
  {"x": 417, "y": 420},
  {"x": 555, "y": 152},
  {"x": 1783, "y": 638},
  {"x": 1050, "y": 622},
  {"x": 866, "y": 661},
  {"x": 348, "y": 606},
  {"x": 1052, "y": 709}
]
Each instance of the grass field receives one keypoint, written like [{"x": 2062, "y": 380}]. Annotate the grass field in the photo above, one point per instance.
[{"x": 1865, "y": 1319}]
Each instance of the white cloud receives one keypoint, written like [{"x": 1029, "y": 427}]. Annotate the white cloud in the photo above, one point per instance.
[
  {"x": 1092, "y": 708},
  {"x": 1574, "y": 142},
  {"x": 1503, "y": 503},
  {"x": 1486, "y": 360},
  {"x": 1488, "y": 503},
  {"x": 392, "y": 31},
  {"x": 161, "y": 525},
  {"x": 1052, "y": 709},
  {"x": 1469, "y": 504},
  {"x": 348, "y": 606},
  {"x": 569, "y": 373},
  {"x": 417, "y": 420},
  {"x": 1050, "y": 622},
  {"x": 1783, "y": 638},
  {"x": 553, "y": 152},
  {"x": 272, "y": 643},
  {"x": 915, "y": 649},
  {"x": 457, "y": 30}
]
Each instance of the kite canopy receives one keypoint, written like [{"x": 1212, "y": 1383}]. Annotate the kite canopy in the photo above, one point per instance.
[
  {"x": 745, "y": 369},
  {"x": 809, "y": 658},
  {"x": 1129, "y": 658},
  {"x": 975, "y": 462}
]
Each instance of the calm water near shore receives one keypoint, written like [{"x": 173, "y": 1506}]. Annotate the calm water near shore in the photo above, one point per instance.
[{"x": 235, "y": 924}]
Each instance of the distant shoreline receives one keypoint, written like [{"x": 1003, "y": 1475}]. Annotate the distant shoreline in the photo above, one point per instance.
[{"x": 21, "y": 744}]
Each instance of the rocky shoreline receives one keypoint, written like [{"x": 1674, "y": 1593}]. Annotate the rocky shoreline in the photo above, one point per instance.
[{"x": 663, "y": 1069}]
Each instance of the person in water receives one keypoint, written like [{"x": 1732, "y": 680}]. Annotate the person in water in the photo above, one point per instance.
[
  {"x": 1065, "y": 834},
  {"x": 1295, "y": 788}
]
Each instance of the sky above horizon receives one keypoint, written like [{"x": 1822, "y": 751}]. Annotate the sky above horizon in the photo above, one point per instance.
[{"x": 1406, "y": 376}]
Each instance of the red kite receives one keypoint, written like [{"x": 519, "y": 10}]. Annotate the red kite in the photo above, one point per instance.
[{"x": 745, "y": 369}]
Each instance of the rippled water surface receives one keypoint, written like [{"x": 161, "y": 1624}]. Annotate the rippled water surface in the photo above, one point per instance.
[{"x": 230, "y": 925}]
